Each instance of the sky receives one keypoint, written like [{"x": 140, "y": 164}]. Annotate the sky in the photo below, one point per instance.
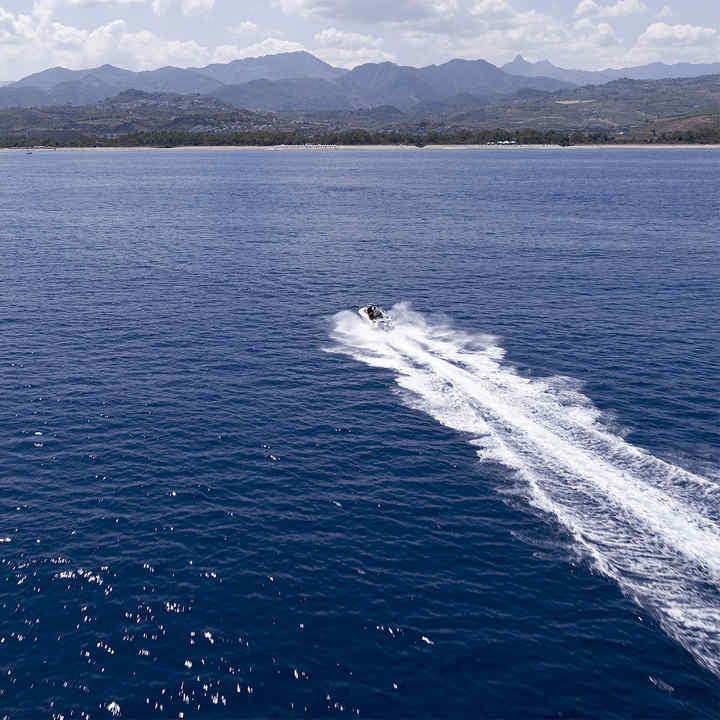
[{"x": 146, "y": 34}]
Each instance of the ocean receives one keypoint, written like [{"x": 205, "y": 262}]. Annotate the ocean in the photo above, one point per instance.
[{"x": 225, "y": 494}]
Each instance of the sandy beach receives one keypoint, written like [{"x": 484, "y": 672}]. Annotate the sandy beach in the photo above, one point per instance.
[{"x": 333, "y": 148}]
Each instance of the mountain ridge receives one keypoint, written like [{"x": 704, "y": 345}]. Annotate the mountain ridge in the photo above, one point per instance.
[
  {"x": 651, "y": 71},
  {"x": 284, "y": 81},
  {"x": 300, "y": 82},
  {"x": 279, "y": 66}
]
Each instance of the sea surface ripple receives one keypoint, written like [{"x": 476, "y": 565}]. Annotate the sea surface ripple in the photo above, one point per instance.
[{"x": 225, "y": 495}]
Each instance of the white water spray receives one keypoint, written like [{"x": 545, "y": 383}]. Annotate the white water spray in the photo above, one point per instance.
[{"x": 651, "y": 526}]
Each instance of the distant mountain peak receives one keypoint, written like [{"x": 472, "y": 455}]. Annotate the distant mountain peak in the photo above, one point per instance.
[
  {"x": 279, "y": 57},
  {"x": 465, "y": 61},
  {"x": 518, "y": 60},
  {"x": 652, "y": 71},
  {"x": 521, "y": 63}
]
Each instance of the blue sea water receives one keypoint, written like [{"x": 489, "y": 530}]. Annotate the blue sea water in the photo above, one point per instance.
[{"x": 225, "y": 495}]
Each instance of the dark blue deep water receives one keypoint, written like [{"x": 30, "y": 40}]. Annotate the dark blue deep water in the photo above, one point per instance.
[{"x": 223, "y": 495}]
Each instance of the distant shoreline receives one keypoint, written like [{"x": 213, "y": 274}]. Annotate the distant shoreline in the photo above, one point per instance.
[{"x": 128, "y": 148}]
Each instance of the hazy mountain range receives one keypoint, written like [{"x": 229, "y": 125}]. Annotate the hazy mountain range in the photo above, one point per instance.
[
  {"x": 286, "y": 81},
  {"x": 300, "y": 83},
  {"x": 653, "y": 71},
  {"x": 629, "y": 108}
]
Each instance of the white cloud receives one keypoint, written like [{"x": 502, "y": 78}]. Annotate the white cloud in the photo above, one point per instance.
[
  {"x": 34, "y": 41},
  {"x": 350, "y": 58},
  {"x": 349, "y": 49},
  {"x": 491, "y": 8},
  {"x": 143, "y": 49},
  {"x": 496, "y": 30},
  {"x": 365, "y": 11},
  {"x": 622, "y": 8},
  {"x": 268, "y": 46},
  {"x": 663, "y": 35},
  {"x": 186, "y": 7},
  {"x": 338, "y": 38},
  {"x": 596, "y": 34},
  {"x": 244, "y": 28},
  {"x": 688, "y": 43},
  {"x": 438, "y": 30},
  {"x": 415, "y": 32},
  {"x": 104, "y": 3},
  {"x": 115, "y": 43}
]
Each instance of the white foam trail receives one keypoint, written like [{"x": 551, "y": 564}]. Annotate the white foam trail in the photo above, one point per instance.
[{"x": 651, "y": 526}]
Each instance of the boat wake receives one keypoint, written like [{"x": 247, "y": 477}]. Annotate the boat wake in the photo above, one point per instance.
[{"x": 652, "y": 527}]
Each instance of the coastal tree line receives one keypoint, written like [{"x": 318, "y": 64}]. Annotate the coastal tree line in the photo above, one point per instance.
[{"x": 171, "y": 138}]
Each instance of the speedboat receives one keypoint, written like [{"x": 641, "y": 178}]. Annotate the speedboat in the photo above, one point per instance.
[{"x": 375, "y": 314}]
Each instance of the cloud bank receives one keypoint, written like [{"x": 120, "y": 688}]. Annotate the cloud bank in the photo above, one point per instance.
[{"x": 136, "y": 34}]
